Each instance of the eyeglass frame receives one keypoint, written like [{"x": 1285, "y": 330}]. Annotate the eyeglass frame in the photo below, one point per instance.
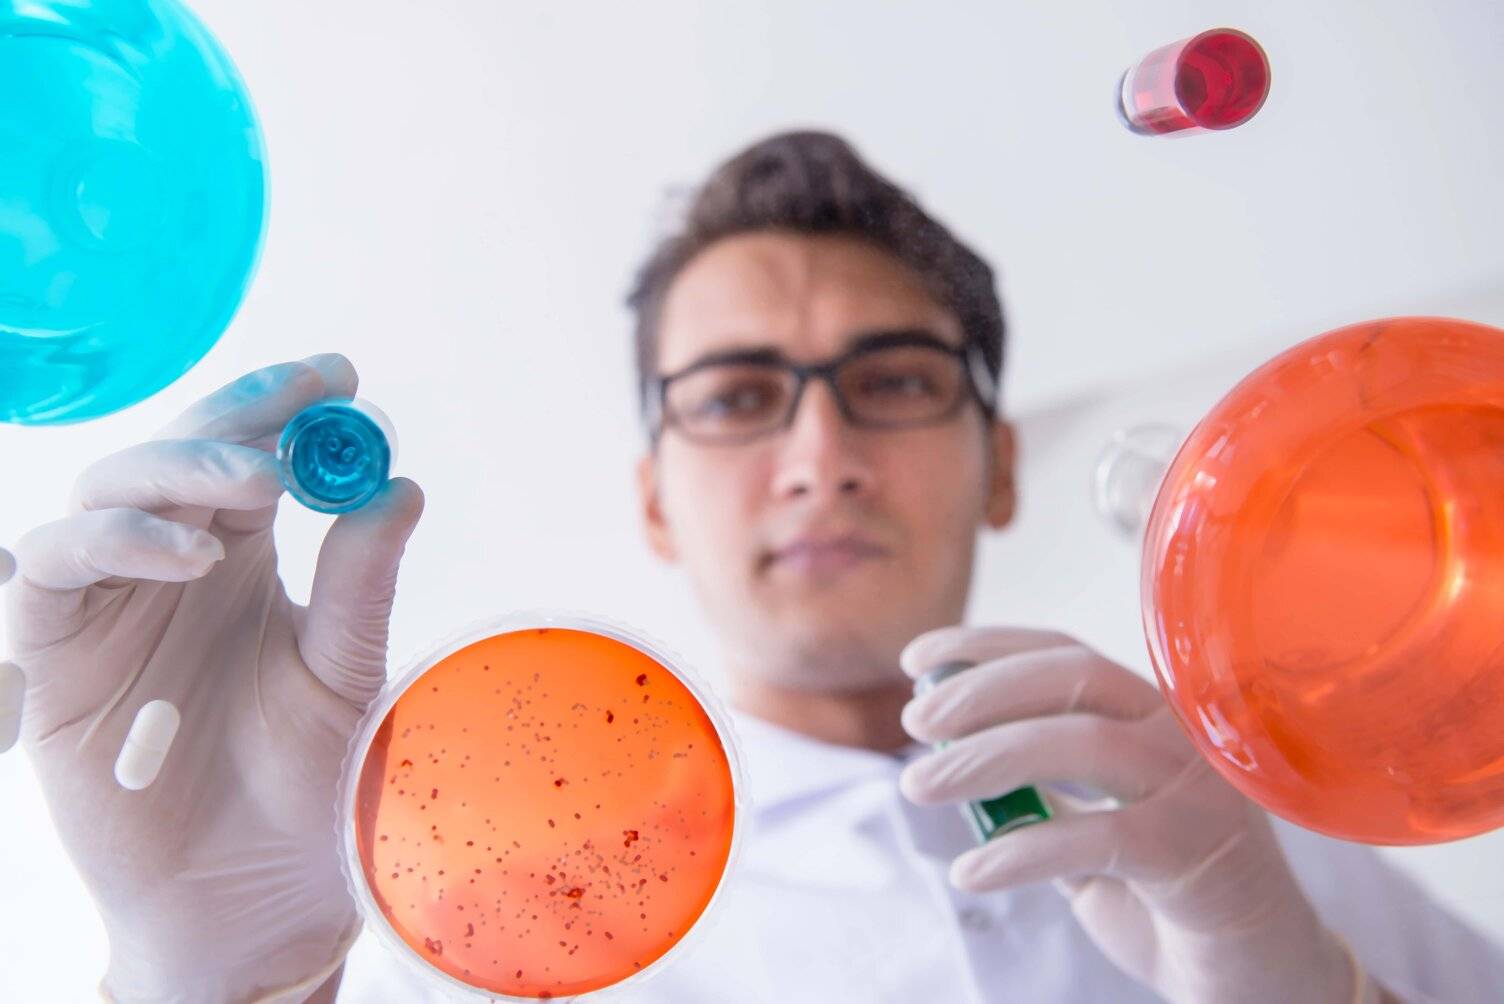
[{"x": 981, "y": 383}]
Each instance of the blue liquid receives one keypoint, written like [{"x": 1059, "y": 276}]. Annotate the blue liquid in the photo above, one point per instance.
[
  {"x": 132, "y": 202},
  {"x": 333, "y": 458}
]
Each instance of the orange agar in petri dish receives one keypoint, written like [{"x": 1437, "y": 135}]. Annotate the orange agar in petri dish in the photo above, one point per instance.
[
  {"x": 544, "y": 812},
  {"x": 1323, "y": 582}
]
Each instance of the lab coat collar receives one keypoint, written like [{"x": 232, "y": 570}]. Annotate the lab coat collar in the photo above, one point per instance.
[{"x": 782, "y": 765}]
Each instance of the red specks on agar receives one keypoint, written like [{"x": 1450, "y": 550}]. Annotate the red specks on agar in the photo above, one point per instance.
[{"x": 584, "y": 811}]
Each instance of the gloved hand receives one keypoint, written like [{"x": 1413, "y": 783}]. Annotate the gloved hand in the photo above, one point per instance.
[
  {"x": 1183, "y": 885},
  {"x": 220, "y": 881},
  {"x": 12, "y": 682}
]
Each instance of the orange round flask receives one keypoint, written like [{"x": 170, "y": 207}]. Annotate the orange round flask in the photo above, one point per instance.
[{"x": 1323, "y": 582}]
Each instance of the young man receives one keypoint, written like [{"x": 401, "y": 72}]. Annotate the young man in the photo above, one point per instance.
[{"x": 819, "y": 367}]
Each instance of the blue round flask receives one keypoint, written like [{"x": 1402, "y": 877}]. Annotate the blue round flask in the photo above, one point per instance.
[{"x": 132, "y": 202}]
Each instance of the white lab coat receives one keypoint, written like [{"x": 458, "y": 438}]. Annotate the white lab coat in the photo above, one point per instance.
[{"x": 841, "y": 895}]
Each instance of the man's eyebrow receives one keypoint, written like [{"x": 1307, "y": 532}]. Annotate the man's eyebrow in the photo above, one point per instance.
[
  {"x": 742, "y": 354},
  {"x": 871, "y": 338},
  {"x": 882, "y": 337}
]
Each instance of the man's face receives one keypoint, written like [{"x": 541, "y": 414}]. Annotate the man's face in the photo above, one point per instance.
[{"x": 819, "y": 550}]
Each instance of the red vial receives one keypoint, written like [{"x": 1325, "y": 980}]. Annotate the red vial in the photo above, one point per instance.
[{"x": 1215, "y": 80}]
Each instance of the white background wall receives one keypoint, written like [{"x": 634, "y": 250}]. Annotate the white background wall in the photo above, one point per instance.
[{"x": 461, "y": 188}]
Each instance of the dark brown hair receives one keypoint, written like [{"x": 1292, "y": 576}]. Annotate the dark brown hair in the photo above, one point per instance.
[{"x": 815, "y": 183}]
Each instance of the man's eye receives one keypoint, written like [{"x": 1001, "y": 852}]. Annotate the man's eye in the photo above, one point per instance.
[
  {"x": 899, "y": 385},
  {"x": 737, "y": 402},
  {"x": 741, "y": 399}
]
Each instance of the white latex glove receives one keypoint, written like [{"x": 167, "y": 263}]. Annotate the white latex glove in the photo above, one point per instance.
[
  {"x": 1183, "y": 885},
  {"x": 221, "y": 881},
  {"x": 12, "y": 682}
]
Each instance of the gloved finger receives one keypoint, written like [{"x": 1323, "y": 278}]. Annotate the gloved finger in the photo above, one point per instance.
[
  {"x": 1049, "y": 681},
  {"x": 59, "y": 560},
  {"x": 7, "y": 566},
  {"x": 1071, "y": 798},
  {"x": 1116, "y": 757},
  {"x": 244, "y": 521},
  {"x": 254, "y": 409},
  {"x": 345, "y": 629},
  {"x": 1090, "y": 844},
  {"x": 974, "y": 645},
  {"x": 85, "y": 548},
  {"x": 12, "y": 702},
  {"x": 1114, "y": 915},
  {"x": 161, "y": 475}
]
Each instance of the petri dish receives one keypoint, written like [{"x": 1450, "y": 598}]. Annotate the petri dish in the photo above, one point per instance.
[{"x": 542, "y": 807}]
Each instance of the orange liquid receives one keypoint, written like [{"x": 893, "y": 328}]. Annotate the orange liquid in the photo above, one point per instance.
[
  {"x": 1324, "y": 583},
  {"x": 544, "y": 813}
]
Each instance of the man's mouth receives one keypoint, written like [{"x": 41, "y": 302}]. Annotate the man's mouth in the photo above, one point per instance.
[{"x": 821, "y": 557}]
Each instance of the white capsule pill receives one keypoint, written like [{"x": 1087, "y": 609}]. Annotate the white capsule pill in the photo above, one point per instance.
[
  {"x": 12, "y": 695},
  {"x": 146, "y": 745},
  {"x": 7, "y": 566}
]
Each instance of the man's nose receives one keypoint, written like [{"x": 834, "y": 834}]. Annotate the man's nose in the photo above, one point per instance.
[{"x": 818, "y": 454}]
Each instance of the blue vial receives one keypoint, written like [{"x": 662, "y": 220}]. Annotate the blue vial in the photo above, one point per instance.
[
  {"x": 132, "y": 202},
  {"x": 336, "y": 455}
]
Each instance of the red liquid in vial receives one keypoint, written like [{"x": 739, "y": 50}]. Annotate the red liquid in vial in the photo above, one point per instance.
[
  {"x": 1215, "y": 80},
  {"x": 1324, "y": 583},
  {"x": 544, "y": 813}
]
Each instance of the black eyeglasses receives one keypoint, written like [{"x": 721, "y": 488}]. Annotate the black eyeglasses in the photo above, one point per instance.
[{"x": 890, "y": 380}]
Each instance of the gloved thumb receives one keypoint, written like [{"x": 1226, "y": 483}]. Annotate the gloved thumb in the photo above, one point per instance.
[{"x": 345, "y": 633}]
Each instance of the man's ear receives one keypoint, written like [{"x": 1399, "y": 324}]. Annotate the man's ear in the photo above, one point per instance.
[
  {"x": 1002, "y": 497},
  {"x": 660, "y": 539}
]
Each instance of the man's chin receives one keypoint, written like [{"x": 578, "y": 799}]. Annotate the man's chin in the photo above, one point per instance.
[
  {"x": 836, "y": 654},
  {"x": 854, "y": 588}
]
